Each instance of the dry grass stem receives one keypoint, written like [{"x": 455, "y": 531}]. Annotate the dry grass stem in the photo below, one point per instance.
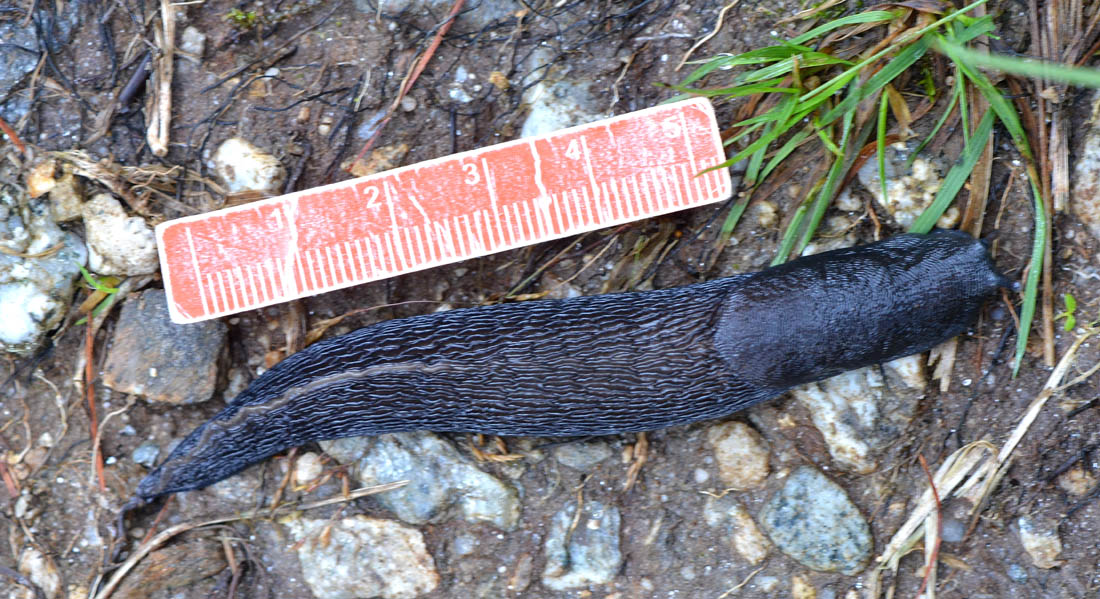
[
  {"x": 972, "y": 473},
  {"x": 714, "y": 32},
  {"x": 147, "y": 547},
  {"x": 160, "y": 109}
]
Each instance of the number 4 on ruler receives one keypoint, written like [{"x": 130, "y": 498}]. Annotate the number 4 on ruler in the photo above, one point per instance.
[{"x": 444, "y": 210}]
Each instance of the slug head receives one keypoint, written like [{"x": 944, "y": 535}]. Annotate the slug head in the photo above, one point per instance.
[{"x": 821, "y": 315}]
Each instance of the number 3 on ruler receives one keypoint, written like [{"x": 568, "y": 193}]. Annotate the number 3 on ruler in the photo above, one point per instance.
[{"x": 472, "y": 176}]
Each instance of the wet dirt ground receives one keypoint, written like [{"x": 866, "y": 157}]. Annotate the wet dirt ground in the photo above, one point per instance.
[{"x": 306, "y": 83}]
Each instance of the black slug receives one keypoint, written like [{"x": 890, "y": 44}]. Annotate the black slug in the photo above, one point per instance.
[{"x": 601, "y": 364}]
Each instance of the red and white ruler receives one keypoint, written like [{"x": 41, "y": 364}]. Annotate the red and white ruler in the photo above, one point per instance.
[{"x": 441, "y": 211}]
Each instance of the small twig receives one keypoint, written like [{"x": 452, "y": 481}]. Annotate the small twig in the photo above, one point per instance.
[
  {"x": 97, "y": 442},
  {"x": 291, "y": 457},
  {"x": 931, "y": 555},
  {"x": 738, "y": 586},
  {"x": 89, "y": 394},
  {"x": 160, "y": 114},
  {"x": 410, "y": 78},
  {"x": 46, "y": 252},
  {"x": 640, "y": 456},
  {"x": 12, "y": 135},
  {"x": 706, "y": 38},
  {"x": 9, "y": 481}
]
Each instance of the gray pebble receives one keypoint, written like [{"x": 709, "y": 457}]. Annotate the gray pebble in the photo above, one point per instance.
[
  {"x": 582, "y": 456},
  {"x": 812, "y": 520},
  {"x": 159, "y": 360},
  {"x": 362, "y": 557},
  {"x": 441, "y": 480},
  {"x": 585, "y": 555},
  {"x": 146, "y": 454},
  {"x": 953, "y": 530},
  {"x": 1017, "y": 573}
]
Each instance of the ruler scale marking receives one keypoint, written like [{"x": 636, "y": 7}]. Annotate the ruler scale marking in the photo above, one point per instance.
[
  {"x": 246, "y": 276},
  {"x": 195, "y": 266},
  {"x": 236, "y": 286},
  {"x": 555, "y": 201},
  {"x": 221, "y": 291},
  {"x": 420, "y": 244},
  {"x": 682, "y": 185},
  {"x": 430, "y": 243}
]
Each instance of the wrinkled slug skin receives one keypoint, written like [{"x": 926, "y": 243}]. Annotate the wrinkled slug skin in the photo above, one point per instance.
[{"x": 601, "y": 364}]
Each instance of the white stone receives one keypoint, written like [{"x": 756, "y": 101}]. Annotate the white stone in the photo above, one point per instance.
[
  {"x": 856, "y": 413},
  {"x": 41, "y": 178},
  {"x": 745, "y": 536},
  {"x": 37, "y": 270},
  {"x": 24, "y": 307},
  {"x": 66, "y": 199},
  {"x": 363, "y": 557},
  {"x": 442, "y": 481},
  {"x": 118, "y": 244},
  {"x": 42, "y": 571},
  {"x": 766, "y": 214},
  {"x": 193, "y": 41},
  {"x": 741, "y": 453},
  {"x": 308, "y": 468},
  {"x": 557, "y": 106},
  {"x": 557, "y": 102},
  {"x": 908, "y": 192},
  {"x": 1085, "y": 188},
  {"x": 802, "y": 588},
  {"x": 1040, "y": 540},
  {"x": 244, "y": 167},
  {"x": 582, "y": 551}
]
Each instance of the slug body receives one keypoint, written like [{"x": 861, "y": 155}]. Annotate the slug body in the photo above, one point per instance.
[{"x": 601, "y": 364}]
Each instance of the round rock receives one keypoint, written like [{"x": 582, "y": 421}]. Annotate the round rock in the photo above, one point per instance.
[
  {"x": 244, "y": 167},
  {"x": 812, "y": 520},
  {"x": 363, "y": 557},
  {"x": 741, "y": 453}
]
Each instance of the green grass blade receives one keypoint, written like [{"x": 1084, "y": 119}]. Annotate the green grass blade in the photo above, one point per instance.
[
  {"x": 1082, "y": 76},
  {"x": 736, "y": 92},
  {"x": 752, "y": 169},
  {"x": 785, "y": 150},
  {"x": 733, "y": 218},
  {"x": 871, "y": 16},
  {"x": 1008, "y": 117},
  {"x": 963, "y": 31},
  {"x": 767, "y": 138},
  {"x": 955, "y": 93},
  {"x": 964, "y": 113},
  {"x": 759, "y": 56},
  {"x": 828, "y": 143},
  {"x": 784, "y": 67},
  {"x": 876, "y": 82},
  {"x": 880, "y": 142},
  {"x": 790, "y": 236},
  {"x": 957, "y": 176},
  {"x": 918, "y": 35},
  {"x": 742, "y": 134},
  {"x": 1034, "y": 269},
  {"x": 832, "y": 181},
  {"x": 783, "y": 113},
  {"x": 95, "y": 283}
]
